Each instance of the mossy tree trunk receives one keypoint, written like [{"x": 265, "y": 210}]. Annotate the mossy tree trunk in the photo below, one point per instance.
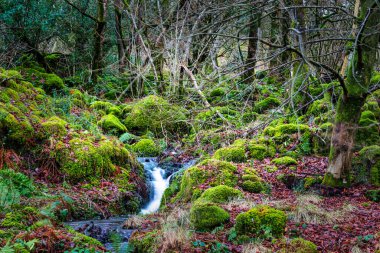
[{"x": 356, "y": 89}]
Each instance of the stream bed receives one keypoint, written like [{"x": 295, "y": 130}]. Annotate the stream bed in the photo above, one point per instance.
[{"x": 158, "y": 179}]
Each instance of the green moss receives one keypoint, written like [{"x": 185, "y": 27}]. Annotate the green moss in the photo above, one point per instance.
[
  {"x": 217, "y": 92},
  {"x": 251, "y": 177},
  {"x": 101, "y": 105},
  {"x": 53, "y": 82},
  {"x": 286, "y": 129},
  {"x": 14, "y": 124},
  {"x": 370, "y": 157},
  {"x": 298, "y": 245},
  {"x": 82, "y": 240},
  {"x": 214, "y": 172},
  {"x": 9, "y": 74},
  {"x": 206, "y": 216},
  {"x": 261, "y": 218},
  {"x": 111, "y": 123},
  {"x": 86, "y": 158},
  {"x": 285, "y": 160},
  {"x": 331, "y": 181},
  {"x": 54, "y": 126},
  {"x": 143, "y": 243},
  {"x": 115, "y": 110},
  {"x": 319, "y": 107},
  {"x": 156, "y": 114},
  {"x": 267, "y": 103},
  {"x": 146, "y": 147},
  {"x": 230, "y": 154},
  {"x": 271, "y": 169},
  {"x": 219, "y": 194},
  {"x": 260, "y": 151},
  {"x": 253, "y": 186}
]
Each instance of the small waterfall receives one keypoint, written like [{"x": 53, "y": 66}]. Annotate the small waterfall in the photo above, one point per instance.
[{"x": 159, "y": 181}]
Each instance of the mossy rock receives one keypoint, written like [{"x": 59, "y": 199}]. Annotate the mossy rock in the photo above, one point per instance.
[
  {"x": 219, "y": 194},
  {"x": 210, "y": 118},
  {"x": 267, "y": 103},
  {"x": 260, "y": 151},
  {"x": 251, "y": 177},
  {"x": 259, "y": 218},
  {"x": 14, "y": 125},
  {"x": 253, "y": 186},
  {"x": 83, "y": 159},
  {"x": 285, "y": 160},
  {"x": 54, "y": 126},
  {"x": 230, "y": 154},
  {"x": 156, "y": 114},
  {"x": 206, "y": 216},
  {"x": 51, "y": 82},
  {"x": 298, "y": 245},
  {"x": 146, "y": 147},
  {"x": 212, "y": 171},
  {"x": 284, "y": 129},
  {"x": 101, "y": 105},
  {"x": 112, "y": 124},
  {"x": 144, "y": 242},
  {"x": 369, "y": 157}
]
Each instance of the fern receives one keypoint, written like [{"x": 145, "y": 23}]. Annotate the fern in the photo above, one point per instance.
[{"x": 13, "y": 185}]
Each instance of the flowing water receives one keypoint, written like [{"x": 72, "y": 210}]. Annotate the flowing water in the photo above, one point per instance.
[{"x": 158, "y": 178}]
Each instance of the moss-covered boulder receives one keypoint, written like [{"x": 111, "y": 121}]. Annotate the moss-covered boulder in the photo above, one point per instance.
[
  {"x": 156, "y": 114},
  {"x": 260, "y": 151},
  {"x": 86, "y": 158},
  {"x": 210, "y": 172},
  {"x": 368, "y": 131},
  {"x": 369, "y": 161},
  {"x": 219, "y": 194},
  {"x": 285, "y": 160},
  {"x": 231, "y": 154},
  {"x": 141, "y": 242},
  {"x": 146, "y": 147},
  {"x": 112, "y": 124},
  {"x": 252, "y": 182},
  {"x": 54, "y": 126},
  {"x": 298, "y": 245},
  {"x": 267, "y": 103},
  {"x": 206, "y": 216},
  {"x": 259, "y": 218}
]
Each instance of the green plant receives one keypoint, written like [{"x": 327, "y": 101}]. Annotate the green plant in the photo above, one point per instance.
[{"x": 13, "y": 185}]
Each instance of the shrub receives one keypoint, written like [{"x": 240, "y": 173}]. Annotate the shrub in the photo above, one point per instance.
[
  {"x": 206, "y": 216},
  {"x": 146, "y": 147},
  {"x": 259, "y": 218},
  {"x": 111, "y": 123},
  {"x": 230, "y": 154},
  {"x": 373, "y": 195},
  {"x": 285, "y": 160}
]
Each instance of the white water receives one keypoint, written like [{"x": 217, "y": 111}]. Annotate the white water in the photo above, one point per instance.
[{"x": 158, "y": 182}]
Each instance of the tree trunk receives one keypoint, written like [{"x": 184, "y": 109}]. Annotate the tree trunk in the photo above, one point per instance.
[
  {"x": 97, "y": 61},
  {"x": 119, "y": 36},
  {"x": 250, "y": 62},
  {"x": 349, "y": 105}
]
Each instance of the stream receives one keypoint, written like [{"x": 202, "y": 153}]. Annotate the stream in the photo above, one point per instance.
[{"x": 158, "y": 179}]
